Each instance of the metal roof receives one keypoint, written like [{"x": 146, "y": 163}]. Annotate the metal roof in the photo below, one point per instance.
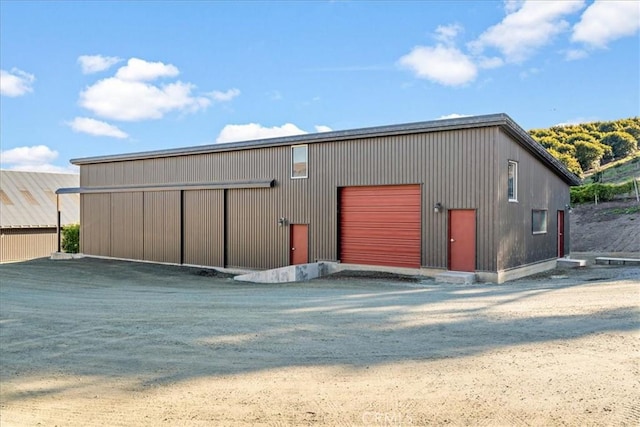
[
  {"x": 28, "y": 199},
  {"x": 501, "y": 120}
]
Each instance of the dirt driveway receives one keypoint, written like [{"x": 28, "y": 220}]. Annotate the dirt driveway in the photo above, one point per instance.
[{"x": 95, "y": 342}]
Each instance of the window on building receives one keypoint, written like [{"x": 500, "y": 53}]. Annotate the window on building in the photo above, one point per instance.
[
  {"x": 538, "y": 221},
  {"x": 513, "y": 181},
  {"x": 299, "y": 161}
]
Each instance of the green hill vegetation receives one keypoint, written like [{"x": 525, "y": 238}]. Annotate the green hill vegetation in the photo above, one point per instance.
[{"x": 596, "y": 150}]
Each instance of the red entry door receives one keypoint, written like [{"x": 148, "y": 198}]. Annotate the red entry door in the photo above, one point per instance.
[
  {"x": 462, "y": 240},
  {"x": 299, "y": 247},
  {"x": 560, "y": 234}
]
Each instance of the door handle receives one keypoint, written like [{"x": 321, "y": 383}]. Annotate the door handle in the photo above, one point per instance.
[
  {"x": 293, "y": 249},
  {"x": 452, "y": 240}
]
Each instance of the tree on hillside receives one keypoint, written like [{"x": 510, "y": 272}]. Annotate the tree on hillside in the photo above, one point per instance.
[
  {"x": 550, "y": 143},
  {"x": 590, "y": 144},
  {"x": 568, "y": 160},
  {"x": 588, "y": 154},
  {"x": 621, "y": 143},
  {"x": 607, "y": 127}
]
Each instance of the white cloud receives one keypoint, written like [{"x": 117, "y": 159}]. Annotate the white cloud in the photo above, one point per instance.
[
  {"x": 95, "y": 63},
  {"x": 130, "y": 97},
  {"x": 528, "y": 73},
  {"x": 447, "y": 33},
  {"x": 96, "y": 128},
  {"x": 141, "y": 70},
  {"x": 575, "y": 54},
  {"x": 488, "y": 63},
  {"x": 442, "y": 64},
  {"x": 526, "y": 29},
  {"x": 605, "y": 21},
  {"x": 36, "y": 158},
  {"x": 34, "y": 154},
  {"x": 44, "y": 167},
  {"x": 219, "y": 96},
  {"x": 251, "y": 131},
  {"x": 15, "y": 82},
  {"x": 452, "y": 116},
  {"x": 322, "y": 128},
  {"x": 511, "y": 6},
  {"x": 577, "y": 121}
]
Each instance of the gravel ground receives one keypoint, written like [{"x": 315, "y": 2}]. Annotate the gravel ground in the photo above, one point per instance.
[{"x": 97, "y": 342}]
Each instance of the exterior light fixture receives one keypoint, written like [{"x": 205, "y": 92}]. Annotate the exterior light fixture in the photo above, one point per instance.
[
  {"x": 568, "y": 208},
  {"x": 437, "y": 208},
  {"x": 282, "y": 222}
]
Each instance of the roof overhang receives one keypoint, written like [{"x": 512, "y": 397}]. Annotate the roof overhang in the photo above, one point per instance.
[
  {"x": 499, "y": 120},
  {"x": 268, "y": 183}
]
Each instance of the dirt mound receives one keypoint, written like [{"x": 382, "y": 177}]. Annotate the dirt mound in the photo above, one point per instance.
[{"x": 606, "y": 227}]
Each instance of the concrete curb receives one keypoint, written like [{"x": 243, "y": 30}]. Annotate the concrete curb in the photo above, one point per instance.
[
  {"x": 289, "y": 274},
  {"x": 65, "y": 255}
]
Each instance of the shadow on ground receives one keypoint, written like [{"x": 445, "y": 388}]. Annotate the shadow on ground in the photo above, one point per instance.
[{"x": 162, "y": 324}]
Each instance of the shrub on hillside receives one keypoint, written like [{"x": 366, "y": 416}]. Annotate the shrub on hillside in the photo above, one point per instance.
[
  {"x": 71, "y": 238},
  {"x": 605, "y": 192}
]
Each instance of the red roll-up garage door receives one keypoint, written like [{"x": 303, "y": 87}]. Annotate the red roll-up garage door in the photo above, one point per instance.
[{"x": 380, "y": 225}]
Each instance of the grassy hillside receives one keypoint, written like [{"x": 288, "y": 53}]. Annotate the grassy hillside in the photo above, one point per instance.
[{"x": 616, "y": 172}]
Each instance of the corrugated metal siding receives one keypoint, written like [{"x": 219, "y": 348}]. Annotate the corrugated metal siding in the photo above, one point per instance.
[
  {"x": 455, "y": 168},
  {"x": 127, "y": 225},
  {"x": 380, "y": 225},
  {"x": 537, "y": 189},
  {"x": 95, "y": 224},
  {"x": 204, "y": 227},
  {"x": 162, "y": 226},
  {"x": 29, "y": 199},
  {"x": 255, "y": 239},
  {"x": 18, "y": 244}
]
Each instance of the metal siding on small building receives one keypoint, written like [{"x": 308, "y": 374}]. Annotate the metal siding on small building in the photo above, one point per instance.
[
  {"x": 380, "y": 225},
  {"x": 203, "y": 227},
  {"x": 162, "y": 240},
  {"x": 18, "y": 244},
  {"x": 537, "y": 189}
]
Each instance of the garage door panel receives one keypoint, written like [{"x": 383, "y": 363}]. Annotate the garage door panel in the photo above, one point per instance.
[{"x": 380, "y": 225}]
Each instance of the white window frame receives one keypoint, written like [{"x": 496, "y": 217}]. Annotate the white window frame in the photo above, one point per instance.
[
  {"x": 293, "y": 148},
  {"x": 514, "y": 197},
  {"x": 543, "y": 224}
]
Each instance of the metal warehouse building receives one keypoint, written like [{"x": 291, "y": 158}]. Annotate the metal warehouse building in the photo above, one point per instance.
[
  {"x": 468, "y": 194},
  {"x": 28, "y": 213}
]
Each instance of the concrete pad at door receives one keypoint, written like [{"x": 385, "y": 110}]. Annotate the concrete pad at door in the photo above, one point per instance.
[{"x": 288, "y": 274}]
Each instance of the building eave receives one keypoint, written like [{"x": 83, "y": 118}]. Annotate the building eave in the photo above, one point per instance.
[{"x": 501, "y": 120}]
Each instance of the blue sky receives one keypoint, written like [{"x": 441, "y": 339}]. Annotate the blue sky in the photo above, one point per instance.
[{"x": 94, "y": 78}]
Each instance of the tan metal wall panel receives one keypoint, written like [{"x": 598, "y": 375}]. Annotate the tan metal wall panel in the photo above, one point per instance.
[
  {"x": 19, "y": 244},
  {"x": 127, "y": 225},
  {"x": 95, "y": 224},
  {"x": 162, "y": 226},
  {"x": 254, "y": 238},
  {"x": 537, "y": 189},
  {"x": 203, "y": 227}
]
